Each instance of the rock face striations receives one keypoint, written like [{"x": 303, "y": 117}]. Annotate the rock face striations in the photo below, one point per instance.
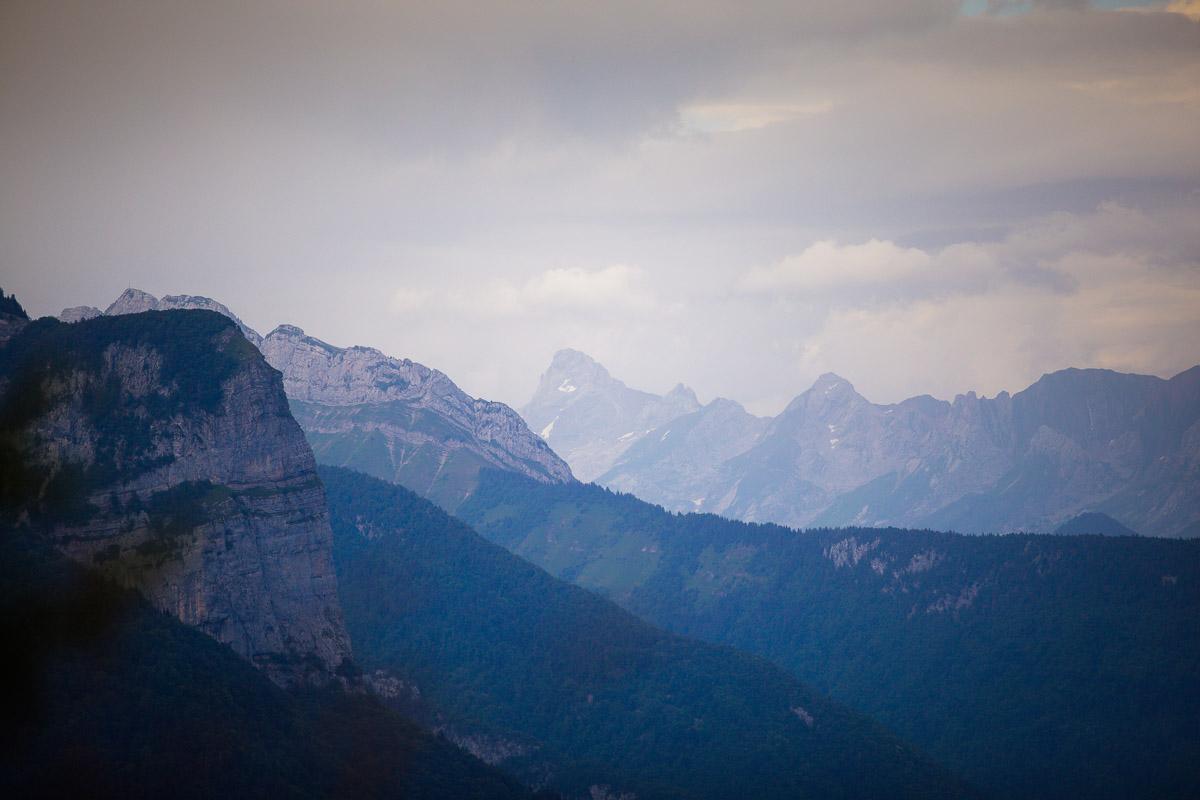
[
  {"x": 134, "y": 301},
  {"x": 401, "y": 421},
  {"x": 592, "y": 418},
  {"x": 159, "y": 448},
  {"x": 392, "y": 418},
  {"x": 1075, "y": 442}
]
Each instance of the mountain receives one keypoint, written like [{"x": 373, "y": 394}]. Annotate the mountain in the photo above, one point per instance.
[
  {"x": 106, "y": 697},
  {"x": 135, "y": 301},
  {"x": 393, "y": 418},
  {"x": 591, "y": 418},
  {"x": 79, "y": 313},
  {"x": 1076, "y": 441},
  {"x": 671, "y": 462},
  {"x": 1033, "y": 665},
  {"x": 402, "y": 421},
  {"x": 575, "y": 693},
  {"x": 158, "y": 448}
]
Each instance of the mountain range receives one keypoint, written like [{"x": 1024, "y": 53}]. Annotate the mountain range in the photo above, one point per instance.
[
  {"x": 592, "y": 418},
  {"x": 1075, "y": 442},
  {"x": 156, "y": 451},
  {"x": 562, "y": 687},
  {"x": 1078, "y": 447},
  {"x": 1034, "y": 665},
  {"x": 161, "y": 451}
]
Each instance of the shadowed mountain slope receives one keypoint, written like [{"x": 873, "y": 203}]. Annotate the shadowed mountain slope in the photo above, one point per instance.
[
  {"x": 585, "y": 694},
  {"x": 1036, "y": 666}
]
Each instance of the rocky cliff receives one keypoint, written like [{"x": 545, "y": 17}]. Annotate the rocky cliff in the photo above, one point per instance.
[
  {"x": 135, "y": 301},
  {"x": 391, "y": 418},
  {"x": 402, "y": 421},
  {"x": 159, "y": 448}
]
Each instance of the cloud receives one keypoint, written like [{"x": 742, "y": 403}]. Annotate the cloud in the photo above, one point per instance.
[
  {"x": 461, "y": 183},
  {"x": 614, "y": 289},
  {"x": 826, "y": 267},
  {"x": 1188, "y": 8},
  {"x": 1114, "y": 288}
]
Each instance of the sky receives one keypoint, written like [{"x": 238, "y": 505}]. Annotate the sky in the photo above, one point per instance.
[{"x": 923, "y": 196}]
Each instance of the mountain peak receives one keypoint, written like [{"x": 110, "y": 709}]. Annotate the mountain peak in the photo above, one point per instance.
[
  {"x": 132, "y": 301},
  {"x": 685, "y": 393},
  {"x": 829, "y": 381},
  {"x": 830, "y": 385},
  {"x": 135, "y": 301},
  {"x": 569, "y": 355},
  {"x": 576, "y": 364},
  {"x": 79, "y": 313},
  {"x": 286, "y": 330}
]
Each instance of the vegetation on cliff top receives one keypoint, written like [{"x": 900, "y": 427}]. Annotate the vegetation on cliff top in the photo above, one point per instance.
[{"x": 52, "y": 362}]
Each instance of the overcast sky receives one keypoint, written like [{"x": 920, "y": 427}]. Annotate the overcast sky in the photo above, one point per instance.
[{"x": 924, "y": 196}]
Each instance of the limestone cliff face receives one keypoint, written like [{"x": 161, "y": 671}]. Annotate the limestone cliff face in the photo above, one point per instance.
[
  {"x": 135, "y": 301},
  {"x": 159, "y": 448},
  {"x": 402, "y": 421},
  {"x": 392, "y": 418}
]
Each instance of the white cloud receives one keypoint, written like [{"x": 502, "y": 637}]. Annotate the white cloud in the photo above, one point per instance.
[
  {"x": 826, "y": 265},
  {"x": 1115, "y": 289},
  {"x": 617, "y": 289}
]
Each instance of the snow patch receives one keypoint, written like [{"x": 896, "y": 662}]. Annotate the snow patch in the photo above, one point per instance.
[
  {"x": 567, "y": 386},
  {"x": 623, "y": 437},
  {"x": 546, "y": 430},
  {"x": 664, "y": 436}
]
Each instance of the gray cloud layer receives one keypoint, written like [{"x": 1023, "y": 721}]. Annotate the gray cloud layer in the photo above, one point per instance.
[{"x": 740, "y": 198}]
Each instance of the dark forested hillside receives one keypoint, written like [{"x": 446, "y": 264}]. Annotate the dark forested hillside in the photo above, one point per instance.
[
  {"x": 107, "y": 697},
  {"x": 582, "y": 693},
  {"x": 1035, "y": 665}
]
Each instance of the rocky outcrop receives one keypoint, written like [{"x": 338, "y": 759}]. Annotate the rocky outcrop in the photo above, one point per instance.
[
  {"x": 402, "y": 421},
  {"x": 135, "y": 301},
  {"x": 592, "y": 418},
  {"x": 391, "y": 418},
  {"x": 79, "y": 313},
  {"x": 159, "y": 448}
]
